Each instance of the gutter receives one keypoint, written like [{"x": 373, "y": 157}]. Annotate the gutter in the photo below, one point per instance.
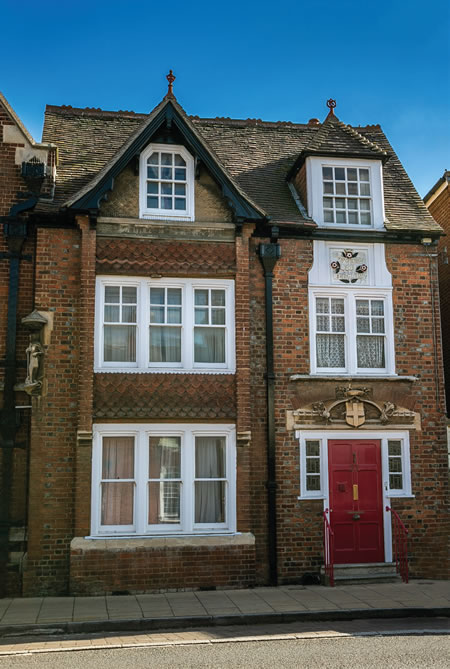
[{"x": 269, "y": 254}]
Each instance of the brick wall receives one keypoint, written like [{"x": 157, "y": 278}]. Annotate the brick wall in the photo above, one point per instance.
[
  {"x": 99, "y": 571},
  {"x": 55, "y": 416}
]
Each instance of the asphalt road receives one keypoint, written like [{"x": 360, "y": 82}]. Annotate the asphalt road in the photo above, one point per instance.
[{"x": 396, "y": 652}]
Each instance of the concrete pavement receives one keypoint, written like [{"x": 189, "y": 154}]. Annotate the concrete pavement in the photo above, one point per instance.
[{"x": 285, "y": 604}]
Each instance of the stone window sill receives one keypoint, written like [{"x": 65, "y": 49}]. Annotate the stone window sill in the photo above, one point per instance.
[{"x": 122, "y": 544}]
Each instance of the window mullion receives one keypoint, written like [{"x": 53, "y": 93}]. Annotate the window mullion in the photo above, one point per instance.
[
  {"x": 188, "y": 327},
  {"x": 187, "y": 475},
  {"x": 350, "y": 326}
]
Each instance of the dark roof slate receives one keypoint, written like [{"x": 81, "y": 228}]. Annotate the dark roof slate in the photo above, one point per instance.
[{"x": 256, "y": 154}]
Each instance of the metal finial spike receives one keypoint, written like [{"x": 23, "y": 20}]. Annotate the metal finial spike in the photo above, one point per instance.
[
  {"x": 331, "y": 104},
  {"x": 170, "y": 78}
]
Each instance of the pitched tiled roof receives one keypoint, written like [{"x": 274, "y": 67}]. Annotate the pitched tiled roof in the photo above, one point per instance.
[
  {"x": 161, "y": 396},
  {"x": 256, "y": 154},
  {"x": 141, "y": 256}
]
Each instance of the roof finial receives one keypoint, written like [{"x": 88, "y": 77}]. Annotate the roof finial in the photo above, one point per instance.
[
  {"x": 331, "y": 104},
  {"x": 170, "y": 78}
]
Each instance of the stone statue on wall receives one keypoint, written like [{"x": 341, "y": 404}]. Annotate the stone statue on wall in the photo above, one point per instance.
[{"x": 35, "y": 353}]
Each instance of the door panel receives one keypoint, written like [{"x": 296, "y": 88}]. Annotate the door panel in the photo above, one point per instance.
[{"x": 356, "y": 502}]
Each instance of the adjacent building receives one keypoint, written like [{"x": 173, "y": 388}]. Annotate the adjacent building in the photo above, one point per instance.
[{"x": 228, "y": 338}]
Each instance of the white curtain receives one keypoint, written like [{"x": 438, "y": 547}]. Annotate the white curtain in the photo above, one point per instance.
[
  {"x": 117, "y": 496},
  {"x": 210, "y": 495},
  {"x": 330, "y": 350},
  {"x": 165, "y": 344},
  {"x": 209, "y": 345},
  {"x": 370, "y": 351},
  {"x": 120, "y": 343}
]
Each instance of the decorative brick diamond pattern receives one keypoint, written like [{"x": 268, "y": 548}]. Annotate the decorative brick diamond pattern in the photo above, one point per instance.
[
  {"x": 150, "y": 396},
  {"x": 171, "y": 258}
]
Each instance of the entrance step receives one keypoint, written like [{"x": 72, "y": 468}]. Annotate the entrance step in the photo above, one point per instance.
[{"x": 367, "y": 572}]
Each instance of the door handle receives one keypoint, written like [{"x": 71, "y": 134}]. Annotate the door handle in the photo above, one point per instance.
[
  {"x": 355, "y": 492},
  {"x": 356, "y": 516}
]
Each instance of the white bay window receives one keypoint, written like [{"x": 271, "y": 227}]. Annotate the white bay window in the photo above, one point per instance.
[
  {"x": 162, "y": 479},
  {"x": 164, "y": 324}
]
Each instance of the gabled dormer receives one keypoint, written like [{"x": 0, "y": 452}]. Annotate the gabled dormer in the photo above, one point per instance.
[
  {"x": 339, "y": 177},
  {"x": 154, "y": 174}
]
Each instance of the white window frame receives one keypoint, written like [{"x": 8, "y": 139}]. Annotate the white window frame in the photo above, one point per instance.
[
  {"x": 315, "y": 190},
  {"x": 164, "y": 214},
  {"x": 350, "y": 295},
  {"x": 142, "y": 433},
  {"x": 187, "y": 364}
]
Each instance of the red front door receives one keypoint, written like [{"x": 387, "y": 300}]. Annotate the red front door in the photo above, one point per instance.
[{"x": 356, "y": 502}]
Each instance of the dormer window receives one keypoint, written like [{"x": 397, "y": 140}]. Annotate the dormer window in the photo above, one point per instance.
[
  {"x": 167, "y": 183},
  {"x": 347, "y": 195},
  {"x": 345, "y": 192}
]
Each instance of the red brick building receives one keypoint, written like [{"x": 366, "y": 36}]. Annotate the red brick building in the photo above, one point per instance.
[{"x": 234, "y": 332}]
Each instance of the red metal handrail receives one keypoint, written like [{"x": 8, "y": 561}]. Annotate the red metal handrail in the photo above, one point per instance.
[
  {"x": 400, "y": 545},
  {"x": 328, "y": 549}
]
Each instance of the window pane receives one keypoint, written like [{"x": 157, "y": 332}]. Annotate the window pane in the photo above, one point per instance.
[
  {"x": 112, "y": 314},
  {"x": 353, "y": 218},
  {"x": 117, "y": 503},
  {"x": 395, "y": 481},
  {"x": 174, "y": 314},
  {"x": 330, "y": 350},
  {"x": 157, "y": 315},
  {"x": 153, "y": 160},
  {"x": 164, "y": 502},
  {"x": 112, "y": 294},
  {"x": 328, "y": 202},
  {"x": 365, "y": 219},
  {"x": 328, "y": 216},
  {"x": 120, "y": 343},
  {"x": 364, "y": 189},
  {"x": 338, "y": 324},
  {"x": 209, "y": 345},
  {"x": 180, "y": 189},
  {"x": 363, "y": 324},
  {"x": 322, "y": 305},
  {"x": 210, "y": 501},
  {"x": 337, "y": 306},
  {"x": 339, "y": 173},
  {"x": 362, "y": 307},
  {"x": 118, "y": 457},
  {"x": 166, "y": 173},
  {"x": 377, "y": 307},
  {"x": 395, "y": 465},
  {"x": 174, "y": 296},
  {"x": 323, "y": 323},
  {"x": 152, "y": 188},
  {"x": 180, "y": 174},
  {"x": 165, "y": 344},
  {"x": 352, "y": 204},
  {"x": 180, "y": 204},
  {"x": 327, "y": 172},
  {"x": 201, "y": 297},
  {"x": 313, "y": 482},
  {"x": 210, "y": 457},
  {"x": 340, "y": 203},
  {"x": 340, "y": 189},
  {"x": 218, "y": 298},
  {"x": 327, "y": 187},
  {"x": 166, "y": 203},
  {"x": 341, "y": 217},
  {"x": 352, "y": 174},
  {"x": 313, "y": 448},
  {"x": 179, "y": 161},
  {"x": 218, "y": 316},
  {"x": 152, "y": 172},
  {"x": 395, "y": 447},
  {"x": 370, "y": 352},
  {"x": 312, "y": 465},
  {"x": 352, "y": 190},
  {"x": 152, "y": 202},
  {"x": 157, "y": 295},
  {"x": 165, "y": 457},
  {"x": 364, "y": 205},
  {"x": 166, "y": 159},
  {"x": 364, "y": 175},
  {"x": 201, "y": 316},
  {"x": 166, "y": 189},
  {"x": 128, "y": 314},
  {"x": 378, "y": 325}
]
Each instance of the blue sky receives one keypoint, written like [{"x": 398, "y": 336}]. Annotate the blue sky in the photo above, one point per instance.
[{"x": 385, "y": 62}]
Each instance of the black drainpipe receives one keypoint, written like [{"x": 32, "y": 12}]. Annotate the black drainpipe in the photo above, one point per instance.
[
  {"x": 15, "y": 232},
  {"x": 269, "y": 254}
]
